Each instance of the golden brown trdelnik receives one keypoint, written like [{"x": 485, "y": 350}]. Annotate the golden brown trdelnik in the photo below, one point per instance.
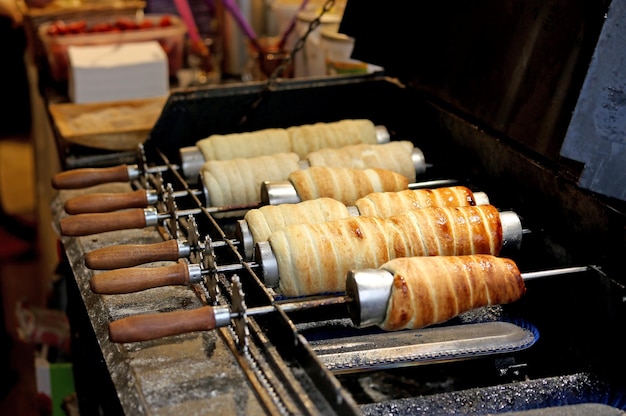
[
  {"x": 385, "y": 204},
  {"x": 315, "y": 258},
  {"x": 344, "y": 184},
  {"x": 431, "y": 290},
  {"x": 264, "y": 220}
]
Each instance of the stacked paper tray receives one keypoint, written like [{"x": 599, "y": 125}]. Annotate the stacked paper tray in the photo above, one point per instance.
[{"x": 119, "y": 125}]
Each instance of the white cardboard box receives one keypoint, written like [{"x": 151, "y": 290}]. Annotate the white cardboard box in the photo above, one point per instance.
[{"x": 117, "y": 72}]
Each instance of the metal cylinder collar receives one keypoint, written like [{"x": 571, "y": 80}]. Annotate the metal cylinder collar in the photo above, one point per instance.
[
  {"x": 480, "y": 198},
  {"x": 152, "y": 216},
  {"x": 184, "y": 248},
  {"x": 382, "y": 135},
  {"x": 133, "y": 172},
  {"x": 278, "y": 192},
  {"x": 419, "y": 161},
  {"x": 192, "y": 160},
  {"x": 243, "y": 234},
  {"x": 369, "y": 290},
  {"x": 222, "y": 316},
  {"x": 269, "y": 265},
  {"x": 511, "y": 230}
]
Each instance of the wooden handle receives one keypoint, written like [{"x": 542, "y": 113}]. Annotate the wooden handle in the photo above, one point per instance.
[
  {"x": 157, "y": 325},
  {"x": 106, "y": 202},
  {"x": 87, "y": 224},
  {"x": 85, "y": 177},
  {"x": 135, "y": 279},
  {"x": 128, "y": 255}
]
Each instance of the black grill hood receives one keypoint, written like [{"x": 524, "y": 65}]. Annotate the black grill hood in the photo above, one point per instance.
[{"x": 515, "y": 67}]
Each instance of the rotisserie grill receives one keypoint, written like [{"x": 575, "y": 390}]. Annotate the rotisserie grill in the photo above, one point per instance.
[{"x": 188, "y": 311}]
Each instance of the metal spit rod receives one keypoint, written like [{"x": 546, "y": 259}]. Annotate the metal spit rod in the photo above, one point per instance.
[
  {"x": 86, "y": 177},
  {"x": 106, "y": 202},
  {"x": 192, "y": 158},
  {"x": 192, "y": 161},
  {"x": 135, "y": 279},
  {"x": 554, "y": 272},
  {"x": 99, "y": 222},
  {"x": 244, "y": 234},
  {"x": 124, "y": 256},
  {"x": 119, "y": 257},
  {"x": 283, "y": 192},
  {"x": 83, "y": 224},
  {"x": 114, "y": 201},
  {"x": 199, "y": 250},
  {"x": 370, "y": 308}
]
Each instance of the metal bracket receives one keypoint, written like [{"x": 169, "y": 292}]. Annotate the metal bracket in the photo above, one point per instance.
[
  {"x": 172, "y": 210},
  {"x": 193, "y": 238},
  {"x": 209, "y": 268},
  {"x": 142, "y": 164},
  {"x": 238, "y": 308}
]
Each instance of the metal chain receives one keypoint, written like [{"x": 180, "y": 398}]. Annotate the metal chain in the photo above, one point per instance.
[{"x": 272, "y": 80}]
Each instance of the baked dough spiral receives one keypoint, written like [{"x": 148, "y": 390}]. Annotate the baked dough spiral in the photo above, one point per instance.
[
  {"x": 238, "y": 181},
  {"x": 395, "y": 156},
  {"x": 315, "y": 258},
  {"x": 301, "y": 140},
  {"x": 344, "y": 184},
  {"x": 431, "y": 290},
  {"x": 264, "y": 220},
  {"x": 385, "y": 204}
]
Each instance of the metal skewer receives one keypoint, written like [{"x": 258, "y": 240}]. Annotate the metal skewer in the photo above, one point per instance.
[
  {"x": 94, "y": 223},
  {"x": 107, "y": 202},
  {"x": 86, "y": 177},
  {"x": 244, "y": 234},
  {"x": 367, "y": 294},
  {"x": 114, "y": 201},
  {"x": 192, "y": 158},
  {"x": 555, "y": 272},
  {"x": 128, "y": 255},
  {"x": 283, "y": 192}
]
